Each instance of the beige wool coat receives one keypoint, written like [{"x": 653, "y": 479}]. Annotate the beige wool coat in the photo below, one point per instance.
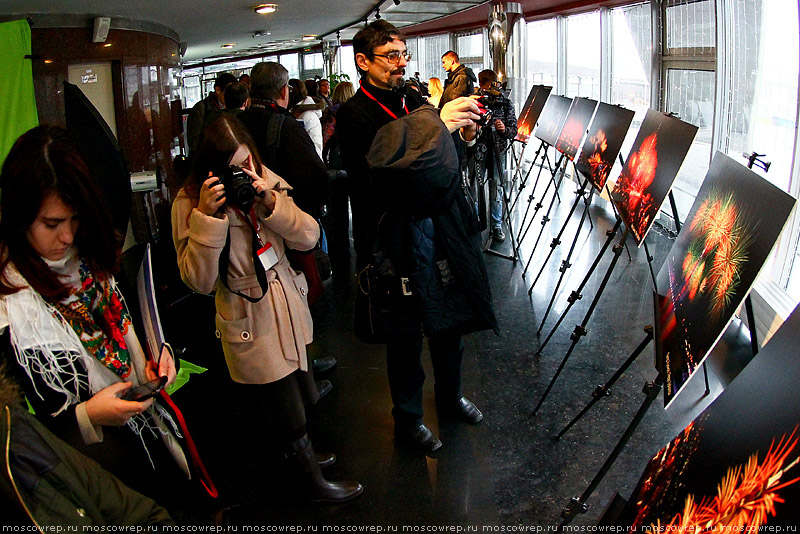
[{"x": 264, "y": 341}]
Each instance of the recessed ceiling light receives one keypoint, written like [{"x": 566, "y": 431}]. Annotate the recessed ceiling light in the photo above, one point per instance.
[
  {"x": 264, "y": 9},
  {"x": 309, "y": 37},
  {"x": 228, "y": 45},
  {"x": 48, "y": 61},
  {"x": 107, "y": 45}
]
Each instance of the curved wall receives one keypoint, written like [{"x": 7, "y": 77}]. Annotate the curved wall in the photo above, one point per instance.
[{"x": 144, "y": 69}]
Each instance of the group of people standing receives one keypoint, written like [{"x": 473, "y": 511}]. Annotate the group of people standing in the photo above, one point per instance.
[{"x": 67, "y": 332}]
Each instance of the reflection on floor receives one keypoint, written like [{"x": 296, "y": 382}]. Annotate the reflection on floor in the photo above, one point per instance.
[{"x": 509, "y": 470}]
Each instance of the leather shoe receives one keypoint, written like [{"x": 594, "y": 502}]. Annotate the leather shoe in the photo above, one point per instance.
[
  {"x": 464, "y": 409},
  {"x": 420, "y": 436},
  {"x": 323, "y": 387},
  {"x": 320, "y": 365},
  {"x": 498, "y": 235},
  {"x": 325, "y": 459}
]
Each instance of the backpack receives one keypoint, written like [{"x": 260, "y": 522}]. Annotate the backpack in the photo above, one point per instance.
[{"x": 273, "y": 139}]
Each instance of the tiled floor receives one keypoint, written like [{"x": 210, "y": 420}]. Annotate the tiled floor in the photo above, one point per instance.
[{"x": 509, "y": 470}]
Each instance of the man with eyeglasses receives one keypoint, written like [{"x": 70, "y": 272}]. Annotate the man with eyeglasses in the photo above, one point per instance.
[{"x": 412, "y": 223}]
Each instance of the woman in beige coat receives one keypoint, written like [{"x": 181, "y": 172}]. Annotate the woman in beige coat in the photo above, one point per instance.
[{"x": 262, "y": 312}]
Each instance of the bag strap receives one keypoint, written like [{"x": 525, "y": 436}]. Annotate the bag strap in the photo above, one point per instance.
[
  {"x": 261, "y": 273},
  {"x": 273, "y": 139}
]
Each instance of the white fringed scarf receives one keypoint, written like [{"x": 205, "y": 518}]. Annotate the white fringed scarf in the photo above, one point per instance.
[{"x": 46, "y": 344}]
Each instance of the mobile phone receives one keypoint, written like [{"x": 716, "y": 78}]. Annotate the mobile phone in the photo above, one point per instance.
[{"x": 144, "y": 391}]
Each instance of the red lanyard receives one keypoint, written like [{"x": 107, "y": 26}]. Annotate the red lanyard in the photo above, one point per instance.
[
  {"x": 252, "y": 221},
  {"x": 387, "y": 110}
]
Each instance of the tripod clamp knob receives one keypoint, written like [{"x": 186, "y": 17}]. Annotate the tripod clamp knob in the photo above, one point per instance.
[
  {"x": 574, "y": 296},
  {"x": 574, "y": 508}
]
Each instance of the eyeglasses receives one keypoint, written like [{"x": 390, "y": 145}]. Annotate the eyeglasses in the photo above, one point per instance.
[{"x": 394, "y": 56}]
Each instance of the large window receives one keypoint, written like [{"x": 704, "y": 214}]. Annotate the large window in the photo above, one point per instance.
[
  {"x": 470, "y": 50},
  {"x": 583, "y": 55},
  {"x": 347, "y": 61},
  {"x": 542, "y": 53},
  {"x": 292, "y": 64},
  {"x": 312, "y": 65},
  {"x": 688, "y": 85},
  {"x": 631, "y": 57},
  {"x": 430, "y": 50}
]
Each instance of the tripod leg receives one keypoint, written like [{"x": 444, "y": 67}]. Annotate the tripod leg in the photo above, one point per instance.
[
  {"x": 524, "y": 181},
  {"x": 580, "y": 330},
  {"x": 576, "y": 295},
  {"x": 545, "y": 220},
  {"x": 650, "y": 264},
  {"x": 565, "y": 265},
  {"x": 557, "y": 239},
  {"x": 531, "y": 196},
  {"x": 605, "y": 390},
  {"x": 578, "y": 504}
]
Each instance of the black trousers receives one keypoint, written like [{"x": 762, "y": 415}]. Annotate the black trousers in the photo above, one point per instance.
[
  {"x": 281, "y": 403},
  {"x": 406, "y": 374}
]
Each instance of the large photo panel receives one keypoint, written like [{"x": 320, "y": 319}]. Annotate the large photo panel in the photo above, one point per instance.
[
  {"x": 531, "y": 111},
  {"x": 575, "y": 125},
  {"x": 552, "y": 118},
  {"x": 734, "y": 222},
  {"x": 603, "y": 142},
  {"x": 738, "y": 463},
  {"x": 651, "y": 167}
]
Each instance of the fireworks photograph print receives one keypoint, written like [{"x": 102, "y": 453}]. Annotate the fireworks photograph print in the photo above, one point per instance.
[
  {"x": 736, "y": 218},
  {"x": 656, "y": 156},
  {"x": 552, "y": 118},
  {"x": 531, "y": 111},
  {"x": 575, "y": 125},
  {"x": 601, "y": 147},
  {"x": 736, "y": 467}
]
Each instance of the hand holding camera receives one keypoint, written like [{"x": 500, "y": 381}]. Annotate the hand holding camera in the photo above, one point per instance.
[
  {"x": 236, "y": 185},
  {"x": 463, "y": 112}
]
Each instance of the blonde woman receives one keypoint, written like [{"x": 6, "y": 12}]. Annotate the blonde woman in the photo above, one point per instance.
[{"x": 435, "y": 89}]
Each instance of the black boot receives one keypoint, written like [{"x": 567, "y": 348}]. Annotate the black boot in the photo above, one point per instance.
[{"x": 314, "y": 486}]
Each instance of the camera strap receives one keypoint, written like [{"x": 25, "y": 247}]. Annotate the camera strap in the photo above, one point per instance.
[{"x": 224, "y": 261}]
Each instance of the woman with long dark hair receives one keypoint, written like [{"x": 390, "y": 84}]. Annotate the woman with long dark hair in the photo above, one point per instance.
[
  {"x": 64, "y": 318},
  {"x": 232, "y": 222}
]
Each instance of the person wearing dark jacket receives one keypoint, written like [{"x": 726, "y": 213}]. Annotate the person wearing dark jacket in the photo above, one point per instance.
[
  {"x": 411, "y": 219},
  {"x": 48, "y": 483},
  {"x": 490, "y": 153},
  {"x": 207, "y": 110},
  {"x": 289, "y": 153},
  {"x": 460, "y": 79},
  {"x": 286, "y": 149}
]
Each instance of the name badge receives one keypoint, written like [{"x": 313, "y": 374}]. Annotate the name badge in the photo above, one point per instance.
[{"x": 268, "y": 256}]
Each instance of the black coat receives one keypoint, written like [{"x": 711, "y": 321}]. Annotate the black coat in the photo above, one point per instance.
[
  {"x": 296, "y": 159},
  {"x": 423, "y": 224}
]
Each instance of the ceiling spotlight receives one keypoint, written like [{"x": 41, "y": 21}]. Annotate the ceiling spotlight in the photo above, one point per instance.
[
  {"x": 309, "y": 37},
  {"x": 107, "y": 45},
  {"x": 262, "y": 33},
  {"x": 397, "y": 2},
  {"x": 264, "y": 9},
  {"x": 377, "y": 14},
  {"x": 228, "y": 45}
]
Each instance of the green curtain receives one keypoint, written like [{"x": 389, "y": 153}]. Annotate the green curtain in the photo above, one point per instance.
[{"x": 18, "y": 111}]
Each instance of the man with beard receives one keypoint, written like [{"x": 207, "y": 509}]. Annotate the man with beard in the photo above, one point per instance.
[{"x": 420, "y": 235}]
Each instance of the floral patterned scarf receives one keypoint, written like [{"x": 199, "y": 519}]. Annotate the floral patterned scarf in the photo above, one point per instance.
[{"x": 95, "y": 311}]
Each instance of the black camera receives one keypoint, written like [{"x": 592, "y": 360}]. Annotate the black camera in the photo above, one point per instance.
[
  {"x": 493, "y": 99},
  {"x": 239, "y": 190}
]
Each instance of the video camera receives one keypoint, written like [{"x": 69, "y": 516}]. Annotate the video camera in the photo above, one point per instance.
[{"x": 493, "y": 99}]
